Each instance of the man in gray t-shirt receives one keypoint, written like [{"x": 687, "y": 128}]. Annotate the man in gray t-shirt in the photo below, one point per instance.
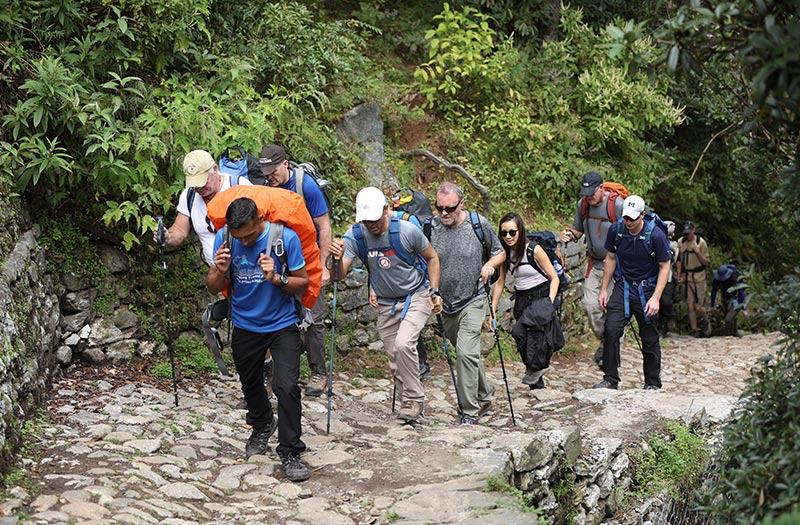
[
  {"x": 464, "y": 275},
  {"x": 405, "y": 293},
  {"x": 592, "y": 219}
]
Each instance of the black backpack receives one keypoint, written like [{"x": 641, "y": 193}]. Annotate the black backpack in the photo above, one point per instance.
[
  {"x": 549, "y": 243},
  {"x": 413, "y": 202}
]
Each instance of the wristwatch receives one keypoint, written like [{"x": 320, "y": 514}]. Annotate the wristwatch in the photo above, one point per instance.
[
  {"x": 284, "y": 280},
  {"x": 434, "y": 292}
]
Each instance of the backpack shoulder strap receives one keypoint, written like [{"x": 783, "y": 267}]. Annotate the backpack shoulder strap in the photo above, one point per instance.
[
  {"x": 475, "y": 220},
  {"x": 275, "y": 244},
  {"x": 397, "y": 245},
  {"x": 612, "y": 206},
  {"x": 584, "y": 208},
  {"x": 426, "y": 227},
  {"x": 189, "y": 203},
  {"x": 361, "y": 244},
  {"x": 299, "y": 179}
]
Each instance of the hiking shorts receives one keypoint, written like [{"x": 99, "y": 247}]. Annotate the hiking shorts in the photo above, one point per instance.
[{"x": 696, "y": 293}]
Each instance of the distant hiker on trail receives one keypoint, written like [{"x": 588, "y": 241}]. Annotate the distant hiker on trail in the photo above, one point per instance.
[
  {"x": 404, "y": 273},
  {"x": 203, "y": 182},
  {"x": 666, "y": 316},
  {"x": 638, "y": 259},
  {"x": 275, "y": 168},
  {"x": 692, "y": 261},
  {"x": 264, "y": 315},
  {"x": 598, "y": 208},
  {"x": 537, "y": 331},
  {"x": 727, "y": 280},
  {"x": 470, "y": 253}
]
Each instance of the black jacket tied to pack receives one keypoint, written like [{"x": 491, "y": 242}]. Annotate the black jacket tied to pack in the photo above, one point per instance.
[{"x": 538, "y": 334}]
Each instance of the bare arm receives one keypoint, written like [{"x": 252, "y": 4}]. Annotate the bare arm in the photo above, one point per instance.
[
  {"x": 434, "y": 276},
  {"x": 323, "y": 223},
  {"x": 487, "y": 270},
  {"x": 652, "y": 306},
  {"x": 609, "y": 266},
  {"x": 497, "y": 292}
]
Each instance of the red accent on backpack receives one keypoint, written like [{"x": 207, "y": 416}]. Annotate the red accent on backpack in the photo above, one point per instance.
[{"x": 278, "y": 205}]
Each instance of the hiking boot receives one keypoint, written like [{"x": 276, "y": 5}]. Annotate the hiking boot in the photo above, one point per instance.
[
  {"x": 466, "y": 420},
  {"x": 293, "y": 466},
  {"x": 538, "y": 385},
  {"x": 268, "y": 371},
  {"x": 651, "y": 387},
  {"x": 605, "y": 384},
  {"x": 424, "y": 371},
  {"x": 530, "y": 376},
  {"x": 410, "y": 411},
  {"x": 598, "y": 356},
  {"x": 484, "y": 408},
  {"x": 707, "y": 328},
  {"x": 257, "y": 444},
  {"x": 316, "y": 384}
]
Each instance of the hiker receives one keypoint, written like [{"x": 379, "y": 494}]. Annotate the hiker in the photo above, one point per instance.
[
  {"x": 537, "y": 331},
  {"x": 638, "y": 259},
  {"x": 422, "y": 351},
  {"x": 264, "y": 315},
  {"x": 405, "y": 292},
  {"x": 597, "y": 209},
  {"x": 470, "y": 253},
  {"x": 203, "y": 182},
  {"x": 666, "y": 315},
  {"x": 727, "y": 279},
  {"x": 279, "y": 174},
  {"x": 692, "y": 261}
]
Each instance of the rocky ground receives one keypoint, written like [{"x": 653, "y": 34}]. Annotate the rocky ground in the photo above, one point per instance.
[{"x": 118, "y": 450}]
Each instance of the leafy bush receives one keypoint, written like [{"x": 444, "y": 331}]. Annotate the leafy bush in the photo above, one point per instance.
[
  {"x": 672, "y": 464},
  {"x": 760, "y": 451}
]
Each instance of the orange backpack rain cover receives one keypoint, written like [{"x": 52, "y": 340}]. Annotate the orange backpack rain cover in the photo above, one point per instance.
[{"x": 278, "y": 205}]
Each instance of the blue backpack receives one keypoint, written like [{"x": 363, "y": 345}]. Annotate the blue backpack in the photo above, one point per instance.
[{"x": 651, "y": 221}]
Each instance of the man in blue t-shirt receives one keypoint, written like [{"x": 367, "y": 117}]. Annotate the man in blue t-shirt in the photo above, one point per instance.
[
  {"x": 640, "y": 267},
  {"x": 264, "y": 316},
  {"x": 279, "y": 174}
]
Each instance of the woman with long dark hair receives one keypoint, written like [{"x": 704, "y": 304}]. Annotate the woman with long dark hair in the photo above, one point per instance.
[{"x": 537, "y": 330}]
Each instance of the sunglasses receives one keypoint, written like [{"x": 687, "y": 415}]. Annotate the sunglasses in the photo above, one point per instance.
[
  {"x": 628, "y": 219},
  {"x": 448, "y": 209},
  {"x": 508, "y": 233}
]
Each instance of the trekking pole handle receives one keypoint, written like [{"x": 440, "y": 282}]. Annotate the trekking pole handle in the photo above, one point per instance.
[{"x": 161, "y": 235}]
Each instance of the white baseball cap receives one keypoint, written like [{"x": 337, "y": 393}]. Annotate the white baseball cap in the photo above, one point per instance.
[
  {"x": 633, "y": 207},
  {"x": 369, "y": 204}
]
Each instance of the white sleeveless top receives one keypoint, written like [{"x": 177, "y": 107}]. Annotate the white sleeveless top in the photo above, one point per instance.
[{"x": 526, "y": 276}]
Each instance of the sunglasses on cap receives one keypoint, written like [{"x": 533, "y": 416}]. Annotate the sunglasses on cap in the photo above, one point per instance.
[
  {"x": 448, "y": 209},
  {"x": 508, "y": 233}
]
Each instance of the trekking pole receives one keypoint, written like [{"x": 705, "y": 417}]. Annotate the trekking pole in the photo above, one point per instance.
[
  {"x": 335, "y": 270},
  {"x": 161, "y": 237},
  {"x": 500, "y": 353},
  {"x": 450, "y": 364}
]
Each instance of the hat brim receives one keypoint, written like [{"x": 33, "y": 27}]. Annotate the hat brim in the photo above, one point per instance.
[
  {"x": 269, "y": 169},
  {"x": 369, "y": 214},
  {"x": 198, "y": 180},
  {"x": 589, "y": 190},
  {"x": 631, "y": 214}
]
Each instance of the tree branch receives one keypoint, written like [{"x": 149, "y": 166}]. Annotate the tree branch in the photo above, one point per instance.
[
  {"x": 483, "y": 190},
  {"x": 708, "y": 145}
]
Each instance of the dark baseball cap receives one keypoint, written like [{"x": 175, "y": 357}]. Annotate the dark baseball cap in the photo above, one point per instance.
[
  {"x": 270, "y": 158},
  {"x": 590, "y": 183},
  {"x": 688, "y": 227}
]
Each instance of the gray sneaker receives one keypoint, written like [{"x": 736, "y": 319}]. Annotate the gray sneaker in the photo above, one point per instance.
[
  {"x": 316, "y": 385},
  {"x": 257, "y": 444},
  {"x": 605, "y": 384},
  {"x": 293, "y": 466}
]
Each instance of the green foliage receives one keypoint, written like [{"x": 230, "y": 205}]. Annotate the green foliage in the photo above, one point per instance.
[
  {"x": 789, "y": 518},
  {"x": 672, "y": 465},
  {"x": 757, "y": 464},
  {"x": 70, "y": 251},
  {"x": 525, "y": 501},
  {"x": 192, "y": 356},
  {"x": 529, "y": 122}
]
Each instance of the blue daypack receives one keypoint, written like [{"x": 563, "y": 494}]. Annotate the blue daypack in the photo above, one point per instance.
[{"x": 394, "y": 240}]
